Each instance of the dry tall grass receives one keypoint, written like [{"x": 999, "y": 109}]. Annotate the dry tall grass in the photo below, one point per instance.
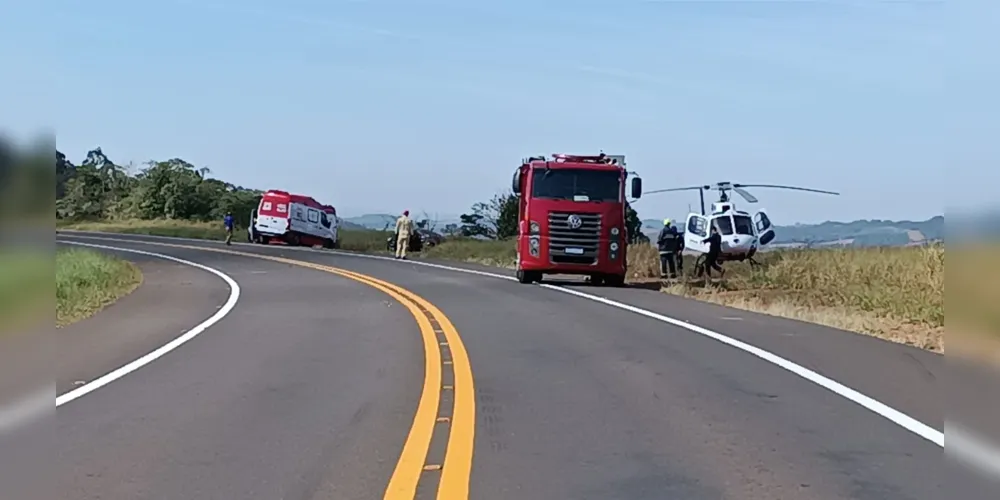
[{"x": 894, "y": 293}]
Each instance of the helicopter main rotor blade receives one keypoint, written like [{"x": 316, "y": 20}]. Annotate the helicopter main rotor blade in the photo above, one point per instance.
[
  {"x": 746, "y": 196},
  {"x": 777, "y": 186},
  {"x": 674, "y": 189}
]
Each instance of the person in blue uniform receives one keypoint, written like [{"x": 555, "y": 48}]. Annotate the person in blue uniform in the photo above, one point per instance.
[{"x": 228, "y": 222}]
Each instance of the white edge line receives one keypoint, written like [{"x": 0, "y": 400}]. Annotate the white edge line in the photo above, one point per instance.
[
  {"x": 104, "y": 380},
  {"x": 899, "y": 418}
]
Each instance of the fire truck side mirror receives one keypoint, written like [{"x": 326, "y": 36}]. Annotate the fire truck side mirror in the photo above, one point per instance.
[
  {"x": 636, "y": 187},
  {"x": 516, "y": 182}
]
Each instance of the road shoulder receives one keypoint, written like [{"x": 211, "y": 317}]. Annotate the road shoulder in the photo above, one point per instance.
[{"x": 172, "y": 299}]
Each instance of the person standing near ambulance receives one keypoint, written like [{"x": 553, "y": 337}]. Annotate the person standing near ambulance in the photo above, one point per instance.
[
  {"x": 404, "y": 227},
  {"x": 228, "y": 222}
]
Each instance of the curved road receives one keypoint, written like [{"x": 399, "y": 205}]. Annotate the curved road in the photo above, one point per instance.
[{"x": 308, "y": 389}]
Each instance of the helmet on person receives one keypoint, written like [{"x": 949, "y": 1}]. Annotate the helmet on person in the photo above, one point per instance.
[
  {"x": 666, "y": 222},
  {"x": 406, "y": 212}
]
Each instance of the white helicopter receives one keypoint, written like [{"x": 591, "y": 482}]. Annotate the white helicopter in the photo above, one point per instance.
[{"x": 742, "y": 234}]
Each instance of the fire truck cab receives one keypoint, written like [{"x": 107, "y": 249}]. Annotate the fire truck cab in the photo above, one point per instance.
[{"x": 571, "y": 217}]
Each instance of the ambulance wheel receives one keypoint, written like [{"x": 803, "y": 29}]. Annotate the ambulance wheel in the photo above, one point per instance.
[
  {"x": 265, "y": 240},
  {"x": 329, "y": 243},
  {"x": 293, "y": 240}
]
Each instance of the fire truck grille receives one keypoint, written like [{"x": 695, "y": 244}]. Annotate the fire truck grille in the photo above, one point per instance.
[{"x": 574, "y": 246}]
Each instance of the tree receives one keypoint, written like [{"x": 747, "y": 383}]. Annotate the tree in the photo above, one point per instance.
[
  {"x": 473, "y": 225},
  {"x": 495, "y": 219},
  {"x": 100, "y": 189},
  {"x": 64, "y": 172}
]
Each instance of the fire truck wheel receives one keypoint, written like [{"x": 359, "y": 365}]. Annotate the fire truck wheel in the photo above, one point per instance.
[
  {"x": 596, "y": 279},
  {"x": 615, "y": 280},
  {"x": 528, "y": 276}
]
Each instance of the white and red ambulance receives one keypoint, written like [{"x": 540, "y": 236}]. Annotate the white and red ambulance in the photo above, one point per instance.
[{"x": 295, "y": 220}]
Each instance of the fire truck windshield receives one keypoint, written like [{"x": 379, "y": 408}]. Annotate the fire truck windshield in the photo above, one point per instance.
[{"x": 576, "y": 184}]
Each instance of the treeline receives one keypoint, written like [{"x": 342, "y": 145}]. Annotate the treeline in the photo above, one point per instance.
[
  {"x": 99, "y": 189},
  {"x": 496, "y": 219}
]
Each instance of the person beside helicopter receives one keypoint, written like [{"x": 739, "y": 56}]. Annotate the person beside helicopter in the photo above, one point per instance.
[
  {"x": 668, "y": 243},
  {"x": 714, "y": 251}
]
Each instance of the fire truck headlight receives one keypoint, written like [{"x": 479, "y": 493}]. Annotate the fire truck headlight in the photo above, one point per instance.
[
  {"x": 614, "y": 246},
  {"x": 534, "y": 228},
  {"x": 614, "y": 231},
  {"x": 533, "y": 246}
]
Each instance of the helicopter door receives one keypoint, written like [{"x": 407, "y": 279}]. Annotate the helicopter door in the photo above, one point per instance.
[
  {"x": 695, "y": 232},
  {"x": 765, "y": 230}
]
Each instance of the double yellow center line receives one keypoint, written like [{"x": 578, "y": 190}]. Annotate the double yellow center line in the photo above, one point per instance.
[{"x": 447, "y": 372}]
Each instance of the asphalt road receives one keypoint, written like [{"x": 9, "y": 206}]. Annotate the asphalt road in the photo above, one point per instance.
[{"x": 307, "y": 390}]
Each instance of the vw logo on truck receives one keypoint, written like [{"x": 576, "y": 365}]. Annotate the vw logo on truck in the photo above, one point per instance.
[{"x": 574, "y": 221}]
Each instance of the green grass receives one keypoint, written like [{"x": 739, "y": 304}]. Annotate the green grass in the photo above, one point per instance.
[
  {"x": 162, "y": 227},
  {"x": 360, "y": 241},
  {"x": 25, "y": 285},
  {"x": 491, "y": 253},
  {"x": 88, "y": 281}
]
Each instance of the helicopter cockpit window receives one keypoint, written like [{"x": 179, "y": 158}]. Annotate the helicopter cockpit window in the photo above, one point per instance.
[
  {"x": 725, "y": 225},
  {"x": 764, "y": 223},
  {"x": 697, "y": 225},
  {"x": 744, "y": 224}
]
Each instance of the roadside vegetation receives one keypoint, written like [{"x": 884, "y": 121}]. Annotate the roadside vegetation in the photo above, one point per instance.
[
  {"x": 893, "y": 293},
  {"x": 88, "y": 281},
  {"x": 25, "y": 287}
]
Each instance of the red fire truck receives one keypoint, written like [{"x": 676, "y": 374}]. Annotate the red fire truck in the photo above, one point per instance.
[{"x": 572, "y": 217}]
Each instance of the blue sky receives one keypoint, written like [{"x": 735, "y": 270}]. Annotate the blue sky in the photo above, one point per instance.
[{"x": 428, "y": 105}]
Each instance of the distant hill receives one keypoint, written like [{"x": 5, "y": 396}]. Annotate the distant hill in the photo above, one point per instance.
[
  {"x": 346, "y": 224},
  {"x": 378, "y": 221},
  {"x": 859, "y": 233},
  {"x": 371, "y": 221}
]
